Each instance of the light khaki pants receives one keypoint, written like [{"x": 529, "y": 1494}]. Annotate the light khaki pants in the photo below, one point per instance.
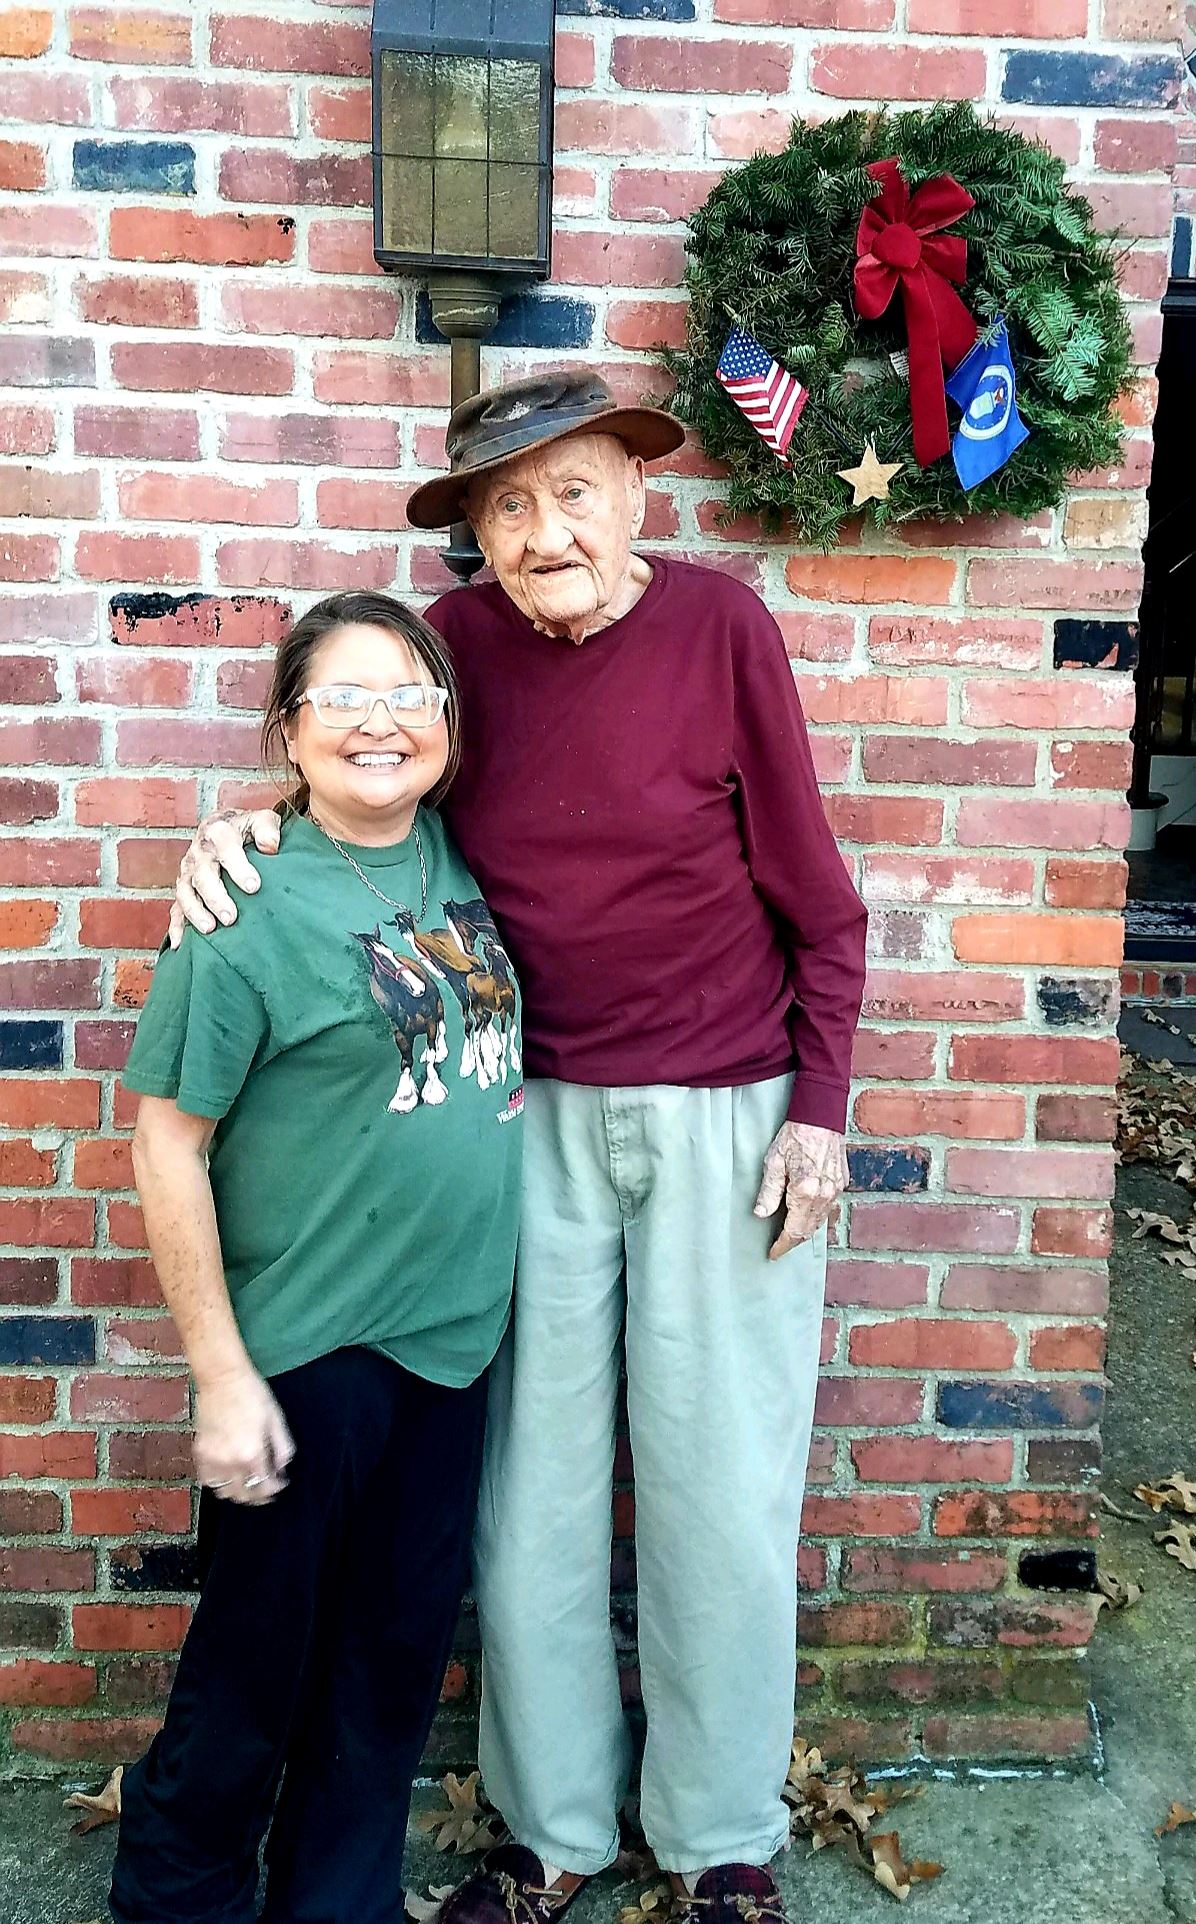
[{"x": 638, "y": 1231}]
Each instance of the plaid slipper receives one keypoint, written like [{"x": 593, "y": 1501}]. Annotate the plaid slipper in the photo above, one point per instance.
[
  {"x": 732, "y": 1894},
  {"x": 507, "y": 1888}
]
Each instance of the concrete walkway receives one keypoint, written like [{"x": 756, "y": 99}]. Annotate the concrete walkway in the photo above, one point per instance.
[{"x": 1077, "y": 1850}]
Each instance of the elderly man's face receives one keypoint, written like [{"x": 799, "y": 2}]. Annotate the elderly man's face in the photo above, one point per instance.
[{"x": 557, "y": 526}]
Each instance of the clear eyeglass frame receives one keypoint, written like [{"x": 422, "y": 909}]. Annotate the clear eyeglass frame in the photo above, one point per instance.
[{"x": 345, "y": 704}]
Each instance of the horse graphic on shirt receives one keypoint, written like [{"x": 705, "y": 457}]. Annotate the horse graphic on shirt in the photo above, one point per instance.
[
  {"x": 406, "y": 992},
  {"x": 486, "y": 999},
  {"x": 473, "y": 926}
]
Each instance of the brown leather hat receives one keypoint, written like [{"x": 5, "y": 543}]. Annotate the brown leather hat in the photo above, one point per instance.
[{"x": 505, "y": 422}]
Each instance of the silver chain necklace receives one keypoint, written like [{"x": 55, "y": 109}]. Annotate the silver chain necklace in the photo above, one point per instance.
[{"x": 357, "y": 868}]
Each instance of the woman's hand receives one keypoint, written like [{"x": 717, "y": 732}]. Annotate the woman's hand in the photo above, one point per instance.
[
  {"x": 218, "y": 849},
  {"x": 242, "y": 1443}
]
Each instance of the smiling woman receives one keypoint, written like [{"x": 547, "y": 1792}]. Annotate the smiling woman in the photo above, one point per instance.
[{"x": 557, "y": 527}]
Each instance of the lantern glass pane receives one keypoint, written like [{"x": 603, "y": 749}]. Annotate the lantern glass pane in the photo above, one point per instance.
[
  {"x": 406, "y": 204},
  {"x": 408, "y": 97},
  {"x": 462, "y": 104},
  {"x": 514, "y": 111},
  {"x": 514, "y": 212},
  {"x": 460, "y": 207}
]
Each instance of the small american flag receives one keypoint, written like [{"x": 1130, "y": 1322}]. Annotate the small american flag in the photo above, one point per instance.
[{"x": 771, "y": 399}]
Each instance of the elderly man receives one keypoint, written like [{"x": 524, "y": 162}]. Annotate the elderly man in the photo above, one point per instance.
[{"x": 639, "y": 805}]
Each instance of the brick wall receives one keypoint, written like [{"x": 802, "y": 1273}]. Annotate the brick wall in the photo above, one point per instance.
[{"x": 213, "y": 408}]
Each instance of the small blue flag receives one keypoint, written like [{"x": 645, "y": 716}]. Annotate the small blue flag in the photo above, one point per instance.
[{"x": 991, "y": 428}]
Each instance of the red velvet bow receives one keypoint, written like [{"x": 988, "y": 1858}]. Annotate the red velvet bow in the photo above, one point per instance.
[{"x": 898, "y": 240}]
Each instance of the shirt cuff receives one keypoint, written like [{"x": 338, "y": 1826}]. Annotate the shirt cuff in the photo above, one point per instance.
[{"x": 824, "y": 1104}]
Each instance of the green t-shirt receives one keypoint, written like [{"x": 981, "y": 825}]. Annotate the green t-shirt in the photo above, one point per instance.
[{"x": 365, "y": 1067}]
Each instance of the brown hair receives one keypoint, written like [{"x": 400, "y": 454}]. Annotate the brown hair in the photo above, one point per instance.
[{"x": 292, "y": 665}]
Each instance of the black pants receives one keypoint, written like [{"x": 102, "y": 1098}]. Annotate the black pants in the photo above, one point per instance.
[{"x": 315, "y": 1656}]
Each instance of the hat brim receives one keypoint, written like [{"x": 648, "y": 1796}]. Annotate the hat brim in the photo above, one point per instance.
[{"x": 648, "y": 432}]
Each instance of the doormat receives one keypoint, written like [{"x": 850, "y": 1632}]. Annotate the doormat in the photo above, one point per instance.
[{"x": 1160, "y": 929}]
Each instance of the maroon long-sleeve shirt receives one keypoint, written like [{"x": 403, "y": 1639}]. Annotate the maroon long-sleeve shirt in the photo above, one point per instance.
[{"x": 643, "y": 816}]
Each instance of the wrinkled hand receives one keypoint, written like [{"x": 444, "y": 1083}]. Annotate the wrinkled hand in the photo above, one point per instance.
[
  {"x": 806, "y": 1170},
  {"x": 241, "y": 1434},
  {"x": 218, "y": 849}
]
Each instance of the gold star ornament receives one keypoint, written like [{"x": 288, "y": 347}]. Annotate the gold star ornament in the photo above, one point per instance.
[{"x": 870, "y": 481}]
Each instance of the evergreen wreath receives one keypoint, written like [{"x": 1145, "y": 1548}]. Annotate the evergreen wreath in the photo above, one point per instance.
[{"x": 773, "y": 251}]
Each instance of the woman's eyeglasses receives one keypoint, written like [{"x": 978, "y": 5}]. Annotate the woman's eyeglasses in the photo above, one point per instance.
[{"x": 342, "y": 704}]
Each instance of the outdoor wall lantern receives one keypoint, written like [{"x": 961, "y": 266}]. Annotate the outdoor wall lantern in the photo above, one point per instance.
[{"x": 463, "y": 93}]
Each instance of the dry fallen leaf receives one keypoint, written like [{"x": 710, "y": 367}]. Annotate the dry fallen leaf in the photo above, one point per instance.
[
  {"x": 101, "y": 1808},
  {"x": 892, "y": 1872},
  {"x": 1175, "y": 1492},
  {"x": 1179, "y": 1541},
  {"x": 466, "y": 1825},
  {"x": 1114, "y": 1593},
  {"x": 424, "y": 1909},
  {"x": 1176, "y": 1815},
  {"x": 650, "y": 1907}
]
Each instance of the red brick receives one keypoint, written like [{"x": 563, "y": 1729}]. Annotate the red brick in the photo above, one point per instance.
[
  {"x": 42, "y": 492},
  {"x": 589, "y": 257},
  {"x": 48, "y": 230},
  {"x": 210, "y": 240},
  {"x": 659, "y": 194},
  {"x": 1023, "y": 19},
  {"x": 27, "y": 1399},
  {"x": 933, "y": 1226},
  {"x": 302, "y": 564},
  {"x": 134, "y": 36},
  {"x": 97, "y": 1740},
  {"x": 207, "y": 499},
  {"x": 864, "y": 1515},
  {"x": 848, "y": 1623},
  {"x": 40, "y": 862},
  {"x": 352, "y": 313},
  {"x": 863, "y": 700},
  {"x": 574, "y": 59},
  {"x": 50, "y": 99},
  {"x": 67, "y": 741},
  {"x": 816, "y": 637},
  {"x": 26, "y": 924},
  {"x": 25, "y": 32},
  {"x": 202, "y": 621},
  {"x": 1034, "y": 1289},
  {"x": 1076, "y": 1118},
  {"x": 916, "y": 1342},
  {"x": 66, "y": 1102},
  {"x": 129, "y": 1626},
  {"x": 946, "y": 878},
  {"x": 356, "y": 375},
  {"x": 907, "y": 1568},
  {"x": 1140, "y": 145},
  {"x": 28, "y": 557},
  {"x": 1058, "y": 824},
  {"x": 1033, "y": 1058},
  {"x": 1078, "y": 701},
  {"x": 647, "y": 63},
  {"x": 373, "y": 504},
  {"x": 27, "y": 1513},
  {"x": 154, "y": 103},
  {"x": 130, "y": 986},
  {"x": 866, "y": 1402},
  {"x": 141, "y": 433},
  {"x": 103, "y": 1164},
  {"x": 124, "y": 1399},
  {"x": 752, "y": 130},
  {"x": 116, "y": 1513},
  {"x": 913, "y": 759},
  {"x": 55, "y": 1222},
  {"x": 157, "y": 1456},
  {"x": 50, "y": 985},
  {"x": 60, "y": 1685},
  {"x": 964, "y": 995},
  {"x": 122, "y": 924},
  {"x": 1085, "y": 885},
  {"x": 239, "y": 684},
  {"x": 126, "y": 1225},
  {"x": 868, "y": 71},
  {"x": 46, "y": 1569},
  {"x": 856, "y": 1282},
  {"x": 845, "y": 15},
  {"x": 601, "y": 126},
  {"x": 22, "y": 166},
  {"x": 134, "y": 681},
  {"x": 142, "y": 1339},
  {"x": 1074, "y": 1346},
  {"x": 190, "y": 367},
  {"x": 342, "y": 246},
  {"x": 1051, "y": 581},
  {"x": 145, "y": 802},
  {"x": 1072, "y": 1232},
  {"x": 1046, "y": 1735},
  {"x": 1088, "y": 941},
  {"x": 137, "y": 557},
  {"x": 334, "y": 48},
  {"x": 323, "y": 440},
  {"x": 60, "y": 1453},
  {"x": 137, "y": 300},
  {"x": 1070, "y": 1175},
  {"x": 26, "y": 430},
  {"x": 24, "y": 1167},
  {"x": 1089, "y": 764},
  {"x": 913, "y": 820},
  {"x": 922, "y": 579},
  {"x": 930, "y": 1459},
  {"x": 1018, "y": 1513},
  {"x": 344, "y": 113},
  {"x": 917, "y": 641}
]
